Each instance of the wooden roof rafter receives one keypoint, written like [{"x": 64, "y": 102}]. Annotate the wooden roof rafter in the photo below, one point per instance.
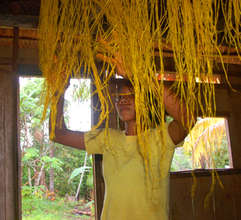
[
  {"x": 28, "y": 38},
  {"x": 20, "y": 21},
  {"x": 28, "y": 31}
]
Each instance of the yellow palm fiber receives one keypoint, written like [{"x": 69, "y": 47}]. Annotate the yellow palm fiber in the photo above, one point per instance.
[
  {"x": 232, "y": 16},
  {"x": 66, "y": 45},
  {"x": 70, "y": 33},
  {"x": 193, "y": 39},
  {"x": 202, "y": 142},
  {"x": 203, "y": 139},
  {"x": 193, "y": 36}
]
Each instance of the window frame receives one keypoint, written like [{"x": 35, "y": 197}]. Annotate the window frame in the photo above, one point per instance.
[{"x": 229, "y": 152}]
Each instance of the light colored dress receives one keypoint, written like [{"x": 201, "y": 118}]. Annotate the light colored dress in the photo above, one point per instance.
[{"x": 126, "y": 196}]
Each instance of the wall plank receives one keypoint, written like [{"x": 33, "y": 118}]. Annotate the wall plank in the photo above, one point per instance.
[
  {"x": 223, "y": 204},
  {"x": 228, "y": 104}
]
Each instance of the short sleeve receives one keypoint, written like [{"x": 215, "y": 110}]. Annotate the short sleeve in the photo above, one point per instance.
[{"x": 94, "y": 141}]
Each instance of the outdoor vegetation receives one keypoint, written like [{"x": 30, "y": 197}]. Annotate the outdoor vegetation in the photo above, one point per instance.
[
  {"x": 206, "y": 147},
  {"x": 57, "y": 181}
]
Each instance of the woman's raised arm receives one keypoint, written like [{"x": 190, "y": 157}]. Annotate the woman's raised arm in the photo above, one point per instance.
[
  {"x": 62, "y": 134},
  {"x": 179, "y": 127}
]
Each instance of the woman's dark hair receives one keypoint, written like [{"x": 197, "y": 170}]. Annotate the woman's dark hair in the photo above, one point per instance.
[{"x": 119, "y": 83}]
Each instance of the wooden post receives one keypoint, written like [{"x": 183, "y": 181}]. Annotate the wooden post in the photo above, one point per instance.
[
  {"x": 234, "y": 124},
  {"x": 9, "y": 157},
  {"x": 99, "y": 185}
]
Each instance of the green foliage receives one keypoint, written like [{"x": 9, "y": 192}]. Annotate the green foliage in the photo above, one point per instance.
[
  {"x": 181, "y": 160},
  {"x": 35, "y": 144},
  {"x": 34, "y": 192},
  {"x": 78, "y": 171},
  {"x": 71, "y": 159},
  {"x": 39, "y": 209},
  {"x": 81, "y": 91},
  {"x": 89, "y": 180},
  {"x": 27, "y": 191},
  {"x": 221, "y": 157},
  {"x": 52, "y": 162},
  {"x": 30, "y": 154},
  {"x": 30, "y": 103}
]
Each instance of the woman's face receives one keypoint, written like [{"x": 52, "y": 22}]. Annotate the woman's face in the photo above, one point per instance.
[{"x": 125, "y": 104}]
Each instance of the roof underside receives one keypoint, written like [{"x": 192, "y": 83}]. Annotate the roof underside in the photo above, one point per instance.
[{"x": 20, "y": 7}]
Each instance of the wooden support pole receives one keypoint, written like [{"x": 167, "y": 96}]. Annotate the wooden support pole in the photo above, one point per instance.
[
  {"x": 99, "y": 184},
  {"x": 9, "y": 159},
  {"x": 21, "y": 21}
]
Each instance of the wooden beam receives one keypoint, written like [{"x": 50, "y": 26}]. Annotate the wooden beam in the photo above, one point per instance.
[
  {"x": 203, "y": 172},
  {"x": 29, "y": 70},
  {"x": 231, "y": 69},
  {"x": 15, "y": 49},
  {"x": 24, "y": 33},
  {"x": 21, "y": 21}
]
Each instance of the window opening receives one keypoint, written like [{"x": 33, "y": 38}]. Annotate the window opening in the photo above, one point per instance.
[
  {"x": 210, "y": 134},
  {"x": 53, "y": 175}
]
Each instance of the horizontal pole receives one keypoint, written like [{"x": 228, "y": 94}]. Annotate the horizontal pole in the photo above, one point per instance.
[{"x": 21, "y": 21}]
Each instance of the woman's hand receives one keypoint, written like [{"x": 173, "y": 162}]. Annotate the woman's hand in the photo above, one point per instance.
[{"x": 115, "y": 58}]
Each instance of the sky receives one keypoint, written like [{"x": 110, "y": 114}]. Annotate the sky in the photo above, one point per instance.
[{"x": 79, "y": 112}]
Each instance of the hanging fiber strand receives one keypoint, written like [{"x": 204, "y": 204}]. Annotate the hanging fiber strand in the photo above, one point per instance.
[{"x": 74, "y": 33}]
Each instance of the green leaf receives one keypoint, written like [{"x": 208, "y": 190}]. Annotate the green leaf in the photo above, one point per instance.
[
  {"x": 30, "y": 154},
  {"x": 77, "y": 172}
]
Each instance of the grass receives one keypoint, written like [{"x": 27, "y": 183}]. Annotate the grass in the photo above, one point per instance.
[{"x": 42, "y": 209}]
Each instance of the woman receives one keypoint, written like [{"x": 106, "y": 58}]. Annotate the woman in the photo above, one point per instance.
[{"x": 123, "y": 166}]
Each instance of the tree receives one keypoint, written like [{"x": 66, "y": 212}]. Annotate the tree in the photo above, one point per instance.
[
  {"x": 37, "y": 151},
  {"x": 44, "y": 162},
  {"x": 206, "y": 146}
]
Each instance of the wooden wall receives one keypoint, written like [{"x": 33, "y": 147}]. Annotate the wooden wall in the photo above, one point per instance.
[{"x": 224, "y": 203}]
